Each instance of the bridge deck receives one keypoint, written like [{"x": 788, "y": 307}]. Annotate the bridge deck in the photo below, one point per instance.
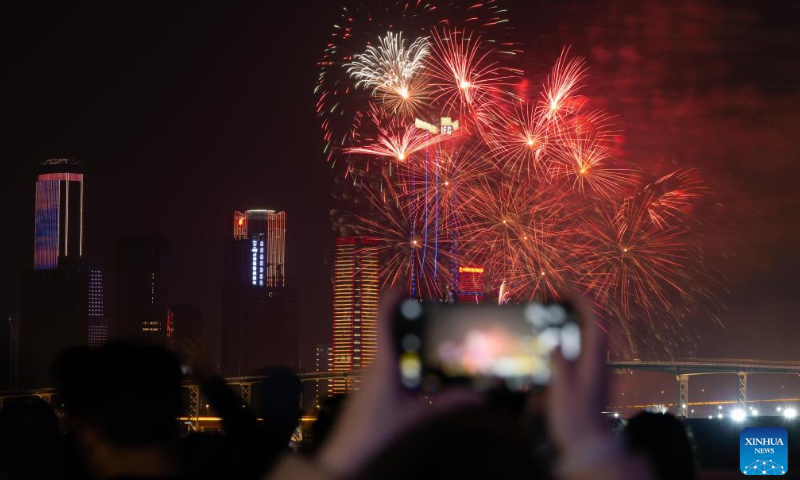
[{"x": 706, "y": 366}]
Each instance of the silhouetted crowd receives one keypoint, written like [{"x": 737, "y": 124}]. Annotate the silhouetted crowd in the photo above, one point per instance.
[{"x": 122, "y": 404}]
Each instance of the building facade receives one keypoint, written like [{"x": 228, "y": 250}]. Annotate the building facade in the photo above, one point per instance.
[
  {"x": 186, "y": 323},
  {"x": 260, "y": 308},
  {"x": 62, "y": 298},
  {"x": 142, "y": 267},
  {"x": 55, "y": 313},
  {"x": 356, "y": 295},
  {"x": 322, "y": 364},
  {"x": 59, "y": 213},
  {"x": 470, "y": 284}
]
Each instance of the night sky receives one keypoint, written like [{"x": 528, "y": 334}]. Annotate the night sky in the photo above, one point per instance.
[{"x": 182, "y": 114}]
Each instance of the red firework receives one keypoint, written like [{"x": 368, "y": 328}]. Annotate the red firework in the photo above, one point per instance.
[{"x": 451, "y": 168}]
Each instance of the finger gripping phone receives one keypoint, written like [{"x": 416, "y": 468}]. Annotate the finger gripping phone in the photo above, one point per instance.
[{"x": 482, "y": 344}]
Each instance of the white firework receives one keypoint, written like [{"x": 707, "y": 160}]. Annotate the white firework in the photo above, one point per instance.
[{"x": 389, "y": 68}]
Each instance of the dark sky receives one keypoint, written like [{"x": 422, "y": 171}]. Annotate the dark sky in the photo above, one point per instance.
[{"x": 183, "y": 114}]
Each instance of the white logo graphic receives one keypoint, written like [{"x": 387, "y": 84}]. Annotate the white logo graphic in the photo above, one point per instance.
[{"x": 764, "y": 467}]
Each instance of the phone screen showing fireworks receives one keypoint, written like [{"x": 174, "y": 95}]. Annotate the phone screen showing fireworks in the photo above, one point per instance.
[{"x": 487, "y": 345}]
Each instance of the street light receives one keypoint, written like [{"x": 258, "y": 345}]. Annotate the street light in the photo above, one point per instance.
[
  {"x": 790, "y": 413},
  {"x": 738, "y": 415}
]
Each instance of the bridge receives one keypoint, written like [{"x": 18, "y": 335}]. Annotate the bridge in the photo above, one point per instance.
[{"x": 682, "y": 369}]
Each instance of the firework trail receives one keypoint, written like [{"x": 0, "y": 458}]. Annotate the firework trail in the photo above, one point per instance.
[{"x": 449, "y": 167}]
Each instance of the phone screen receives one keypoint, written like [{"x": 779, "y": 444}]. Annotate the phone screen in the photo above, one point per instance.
[{"x": 489, "y": 342}]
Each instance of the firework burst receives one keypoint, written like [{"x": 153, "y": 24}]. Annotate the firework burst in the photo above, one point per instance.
[
  {"x": 392, "y": 71},
  {"x": 451, "y": 168}
]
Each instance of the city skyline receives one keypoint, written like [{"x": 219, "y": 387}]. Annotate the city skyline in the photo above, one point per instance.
[{"x": 230, "y": 130}]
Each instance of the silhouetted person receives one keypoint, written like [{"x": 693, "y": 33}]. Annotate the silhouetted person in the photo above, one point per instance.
[
  {"x": 329, "y": 411},
  {"x": 30, "y": 444},
  {"x": 664, "y": 441},
  {"x": 474, "y": 443},
  {"x": 121, "y": 404},
  {"x": 277, "y": 402},
  {"x": 248, "y": 447}
]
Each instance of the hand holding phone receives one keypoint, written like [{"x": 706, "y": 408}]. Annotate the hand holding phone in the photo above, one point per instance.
[{"x": 484, "y": 345}]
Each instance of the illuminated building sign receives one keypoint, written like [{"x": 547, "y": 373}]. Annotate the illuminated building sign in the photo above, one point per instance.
[
  {"x": 446, "y": 126},
  {"x": 470, "y": 269},
  {"x": 257, "y": 250}
]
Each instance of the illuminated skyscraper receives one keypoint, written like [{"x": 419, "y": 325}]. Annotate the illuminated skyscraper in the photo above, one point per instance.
[
  {"x": 322, "y": 364},
  {"x": 62, "y": 298},
  {"x": 142, "y": 265},
  {"x": 97, "y": 323},
  {"x": 260, "y": 310},
  {"x": 470, "y": 284},
  {"x": 266, "y": 232},
  {"x": 356, "y": 292},
  {"x": 59, "y": 213}
]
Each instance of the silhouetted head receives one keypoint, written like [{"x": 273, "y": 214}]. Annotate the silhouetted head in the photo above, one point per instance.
[
  {"x": 129, "y": 392},
  {"x": 475, "y": 443},
  {"x": 277, "y": 399},
  {"x": 664, "y": 441},
  {"x": 28, "y": 434}
]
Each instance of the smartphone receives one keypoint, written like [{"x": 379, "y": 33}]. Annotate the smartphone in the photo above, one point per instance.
[{"x": 483, "y": 344}]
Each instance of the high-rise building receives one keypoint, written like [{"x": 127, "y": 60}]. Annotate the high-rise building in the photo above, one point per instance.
[
  {"x": 9, "y": 351},
  {"x": 322, "y": 364},
  {"x": 61, "y": 299},
  {"x": 97, "y": 322},
  {"x": 59, "y": 307},
  {"x": 59, "y": 213},
  {"x": 260, "y": 307},
  {"x": 470, "y": 284},
  {"x": 356, "y": 294},
  {"x": 142, "y": 266}
]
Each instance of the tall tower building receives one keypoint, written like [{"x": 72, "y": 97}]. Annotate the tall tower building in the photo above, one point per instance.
[
  {"x": 142, "y": 265},
  {"x": 259, "y": 302},
  {"x": 59, "y": 213},
  {"x": 356, "y": 294},
  {"x": 61, "y": 299},
  {"x": 322, "y": 364}
]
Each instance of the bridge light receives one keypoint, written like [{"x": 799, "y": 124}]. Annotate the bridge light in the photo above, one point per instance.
[
  {"x": 738, "y": 415},
  {"x": 790, "y": 413}
]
